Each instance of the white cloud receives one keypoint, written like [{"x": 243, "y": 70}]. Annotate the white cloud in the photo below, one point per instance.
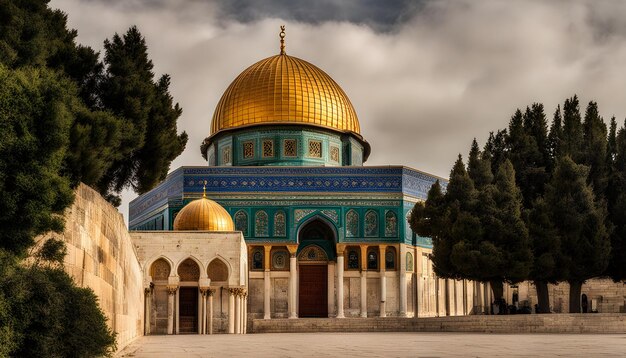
[{"x": 452, "y": 71}]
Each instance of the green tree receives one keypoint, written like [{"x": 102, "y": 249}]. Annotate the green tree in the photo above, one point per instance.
[
  {"x": 555, "y": 138},
  {"x": 579, "y": 223},
  {"x": 501, "y": 251},
  {"x": 149, "y": 142},
  {"x": 479, "y": 166},
  {"x": 33, "y": 35},
  {"x": 616, "y": 202},
  {"x": 50, "y": 315},
  {"x": 595, "y": 150},
  {"x": 572, "y": 134},
  {"x": 35, "y": 119}
]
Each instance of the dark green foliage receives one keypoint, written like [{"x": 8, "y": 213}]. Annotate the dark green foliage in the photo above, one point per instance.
[
  {"x": 500, "y": 250},
  {"x": 149, "y": 142},
  {"x": 51, "y": 316},
  {"x": 35, "y": 120},
  {"x": 33, "y": 35},
  {"x": 496, "y": 149},
  {"x": 579, "y": 222},
  {"x": 528, "y": 151},
  {"x": 477, "y": 234},
  {"x": 479, "y": 167},
  {"x": 595, "y": 150},
  {"x": 616, "y": 202},
  {"x": 94, "y": 142},
  {"x": 572, "y": 133},
  {"x": 555, "y": 137}
]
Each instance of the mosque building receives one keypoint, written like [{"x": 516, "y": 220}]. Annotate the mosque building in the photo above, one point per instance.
[{"x": 325, "y": 236}]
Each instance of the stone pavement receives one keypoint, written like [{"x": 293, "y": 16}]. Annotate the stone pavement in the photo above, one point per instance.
[{"x": 380, "y": 345}]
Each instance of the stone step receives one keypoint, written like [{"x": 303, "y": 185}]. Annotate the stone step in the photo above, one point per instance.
[{"x": 551, "y": 323}]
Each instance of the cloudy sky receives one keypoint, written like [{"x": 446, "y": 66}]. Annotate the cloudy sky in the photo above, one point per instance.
[{"x": 425, "y": 77}]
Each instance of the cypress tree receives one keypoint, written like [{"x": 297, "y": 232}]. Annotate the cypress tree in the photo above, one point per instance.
[
  {"x": 555, "y": 138},
  {"x": 149, "y": 142},
  {"x": 572, "y": 139},
  {"x": 579, "y": 224},
  {"x": 595, "y": 150},
  {"x": 479, "y": 167},
  {"x": 616, "y": 201}
]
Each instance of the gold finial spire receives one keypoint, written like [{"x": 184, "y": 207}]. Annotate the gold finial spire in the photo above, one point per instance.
[
  {"x": 204, "y": 190},
  {"x": 282, "y": 39}
]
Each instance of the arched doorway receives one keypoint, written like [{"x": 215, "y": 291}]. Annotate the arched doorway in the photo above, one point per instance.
[
  {"x": 157, "y": 308},
  {"x": 189, "y": 273},
  {"x": 316, "y": 249}
]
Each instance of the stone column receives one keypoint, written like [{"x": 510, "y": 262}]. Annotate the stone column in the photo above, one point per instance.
[
  {"x": 210, "y": 293},
  {"x": 237, "y": 312},
  {"x": 267, "y": 314},
  {"x": 383, "y": 281},
  {"x": 171, "y": 292},
  {"x": 146, "y": 321},
  {"x": 202, "y": 320},
  {"x": 340, "y": 264},
  {"x": 401, "y": 260},
  {"x": 245, "y": 312},
  {"x": 363, "y": 280},
  {"x": 231, "y": 310},
  {"x": 177, "y": 312},
  {"x": 330, "y": 297},
  {"x": 292, "y": 280}
]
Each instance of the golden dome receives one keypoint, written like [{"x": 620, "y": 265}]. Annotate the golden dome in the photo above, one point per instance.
[
  {"x": 284, "y": 90},
  {"x": 203, "y": 215}
]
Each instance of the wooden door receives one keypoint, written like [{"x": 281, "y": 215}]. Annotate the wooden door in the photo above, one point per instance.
[
  {"x": 188, "y": 309},
  {"x": 313, "y": 291}
]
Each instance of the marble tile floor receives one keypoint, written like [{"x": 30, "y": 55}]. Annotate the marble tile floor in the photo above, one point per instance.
[{"x": 425, "y": 345}]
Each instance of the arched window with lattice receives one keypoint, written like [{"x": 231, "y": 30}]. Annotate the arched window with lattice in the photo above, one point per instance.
[
  {"x": 241, "y": 222},
  {"x": 352, "y": 223},
  {"x": 390, "y": 258},
  {"x": 260, "y": 224},
  {"x": 217, "y": 271},
  {"x": 391, "y": 224},
  {"x": 257, "y": 259},
  {"x": 189, "y": 271},
  {"x": 352, "y": 261},
  {"x": 280, "y": 224},
  {"x": 371, "y": 223},
  {"x": 160, "y": 270},
  {"x": 372, "y": 258},
  {"x": 409, "y": 262}
]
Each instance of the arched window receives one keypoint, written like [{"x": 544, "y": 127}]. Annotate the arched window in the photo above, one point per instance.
[
  {"x": 391, "y": 224},
  {"x": 260, "y": 224},
  {"x": 371, "y": 223},
  {"x": 160, "y": 270},
  {"x": 279, "y": 223},
  {"x": 352, "y": 223},
  {"x": 217, "y": 271},
  {"x": 409, "y": 262},
  {"x": 188, "y": 270},
  {"x": 353, "y": 259},
  {"x": 390, "y": 258},
  {"x": 257, "y": 258},
  {"x": 372, "y": 258},
  {"x": 241, "y": 222}
]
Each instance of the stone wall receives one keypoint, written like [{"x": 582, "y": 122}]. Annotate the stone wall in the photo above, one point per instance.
[
  {"x": 603, "y": 295},
  {"x": 100, "y": 256}
]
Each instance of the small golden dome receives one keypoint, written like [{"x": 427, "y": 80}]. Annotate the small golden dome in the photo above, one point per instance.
[
  {"x": 284, "y": 90},
  {"x": 203, "y": 215}
]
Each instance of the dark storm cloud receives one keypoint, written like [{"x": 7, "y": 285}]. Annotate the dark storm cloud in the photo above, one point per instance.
[
  {"x": 425, "y": 79},
  {"x": 381, "y": 15}
]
